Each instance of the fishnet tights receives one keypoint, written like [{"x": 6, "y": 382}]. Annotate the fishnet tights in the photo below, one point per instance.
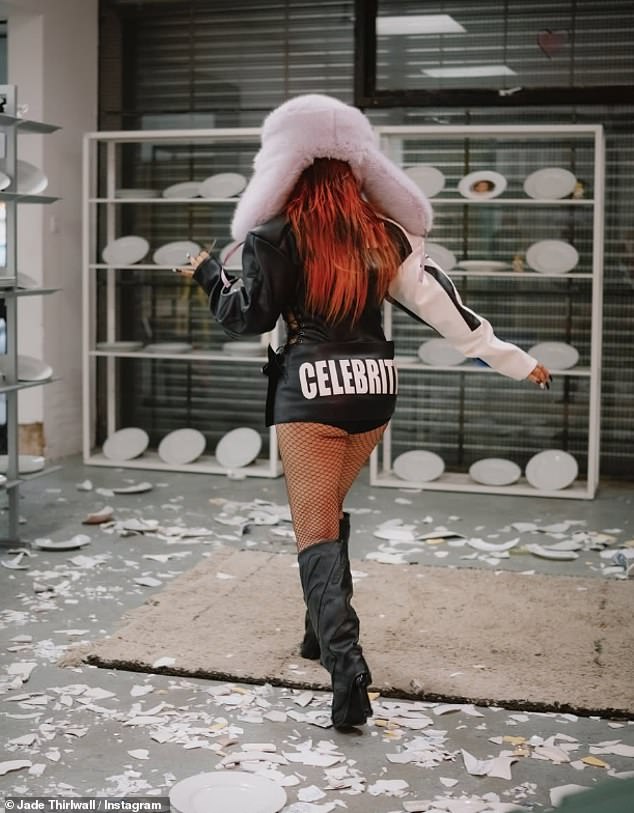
[{"x": 321, "y": 462}]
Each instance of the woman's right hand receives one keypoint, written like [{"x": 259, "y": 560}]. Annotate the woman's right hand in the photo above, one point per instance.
[{"x": 541, "y": 376}]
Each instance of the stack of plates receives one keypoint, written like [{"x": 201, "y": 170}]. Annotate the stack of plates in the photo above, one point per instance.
[
  {"x": 550, "y": 183},
  {"x": 552, "y": 257},
  {"x": 551, "y": 470},
  {"x": 169, "y": 347},
  {"x": 439, "y": 353},
  {"x": 136, "y": 193},
  {"x": 483, "y": 265},
  {"x": 429, "y": 179},
  {"x": 418, "y": 466},
  {"x": 227, "y": 792}
]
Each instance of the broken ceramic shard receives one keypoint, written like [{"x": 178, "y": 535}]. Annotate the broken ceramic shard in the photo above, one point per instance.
[{"x": 99, "y": 517}]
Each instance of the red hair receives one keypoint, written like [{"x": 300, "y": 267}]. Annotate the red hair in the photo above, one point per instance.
[{"x": 342, "y": 240}]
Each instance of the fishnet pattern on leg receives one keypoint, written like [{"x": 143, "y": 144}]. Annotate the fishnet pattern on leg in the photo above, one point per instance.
[
  {"x": 320, "y": 464},
  {"x": 313, "y": 455},
  {"x": 360, "y": 449}
]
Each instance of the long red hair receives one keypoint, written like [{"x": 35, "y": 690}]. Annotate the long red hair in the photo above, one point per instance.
[{"x": 342, "y": 241}]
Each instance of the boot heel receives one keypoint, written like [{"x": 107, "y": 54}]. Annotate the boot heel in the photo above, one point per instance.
[{"x": 352, "y": 706}]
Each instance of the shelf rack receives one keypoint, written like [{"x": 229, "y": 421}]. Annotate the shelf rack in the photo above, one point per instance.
[
  {"x": 381, "y": 473},
  {"x": 109, "y": 203},
  {"x": 11, "y": 127}
]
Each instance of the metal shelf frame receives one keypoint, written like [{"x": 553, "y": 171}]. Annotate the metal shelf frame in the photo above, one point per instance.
[
  {"x": 11, "y": 126},
  {"x": 585, "y": 488},
  {"x": 107, "y": 205}
]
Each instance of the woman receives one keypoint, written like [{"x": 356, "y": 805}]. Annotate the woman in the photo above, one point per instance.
[{"x": 322, "y": 250}]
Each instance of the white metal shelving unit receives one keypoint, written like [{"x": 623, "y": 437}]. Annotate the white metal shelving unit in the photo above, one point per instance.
[
  {"x": 206, "y": 464},
  {"x": 381, "y": 473},
  {"x": 11, "y": 126}
]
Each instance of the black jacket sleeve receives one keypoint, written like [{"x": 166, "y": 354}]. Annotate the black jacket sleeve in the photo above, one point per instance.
[{"x": 252, "y": 302}]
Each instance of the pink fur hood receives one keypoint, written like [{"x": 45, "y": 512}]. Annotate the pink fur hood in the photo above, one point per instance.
[{"x": 316, "y": 126}]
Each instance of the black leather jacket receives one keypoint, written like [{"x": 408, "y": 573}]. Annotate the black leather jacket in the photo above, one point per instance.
[{"x": 272, "y": 284}]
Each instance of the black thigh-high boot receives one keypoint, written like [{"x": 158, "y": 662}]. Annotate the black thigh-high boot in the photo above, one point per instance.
[
  {"x": 327, "y": 592},
  {"x": 309, "y": 647}
]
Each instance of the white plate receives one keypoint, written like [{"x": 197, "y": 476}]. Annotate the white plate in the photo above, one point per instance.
[
  {"x": 136, "y": 193},
  {"x": 27, "y": 463},
  {"x": 78, "y": 541},
  {"x": 125, "y": 250},
  {"x": 439, "y": 353},
  {"x": 482, "y": 265},
  {"x": 187, "y": 189},
  {"x": 4, "y": 180},
  {"x": 552, "y": 257},
  {"x": 495, "y": 471},
  {"x": 173, "y": 254},
  {"x": 31, "y": 179},
  {"x": 234, "y": 252},
  {"x": 126, "y": 444},
  {"x": 418, "y": 466},
  {"x": 123, "y": 347},
  {"x": 441, "y": 256},
  {"x": 3, "y": 480},
  {"x": 222, "y": 185},
  {"x": 551, "y": 470},
  {"x": 25, "y": 281},
  {"x": 29, "y": 368},
  {"x": 227, "y": 792},
  {"x": 550, "y": 183},
  {"x": 238, "y": 448},
  {"x": 182, "y": 446},
  {"x": 555, "y": 355},
  {"x": 494, "y": 182},
  {"x": 168, "y": 347},
  {"x": 243, "y": 348},
  {"x": 429, "y": 179}
]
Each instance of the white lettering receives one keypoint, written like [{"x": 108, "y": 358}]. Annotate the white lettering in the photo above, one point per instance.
[
  {"x": 337, "y": 389},
  {"x": 360, "y": 377},
  {"x": 346, "y": 375},
  {"x": 322, "y": 378},
  {"x": 309, "y": 388},
  {"x": 392, "y": 375},
  {"x": 374, "y": 381},
  {"x": 384, "y": 387}
]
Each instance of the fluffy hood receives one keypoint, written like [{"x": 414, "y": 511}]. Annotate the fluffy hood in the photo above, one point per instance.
[{"x": 315, "y": 126}]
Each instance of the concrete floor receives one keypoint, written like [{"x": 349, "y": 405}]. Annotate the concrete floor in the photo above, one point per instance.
[{"x": 73, "y": 724}]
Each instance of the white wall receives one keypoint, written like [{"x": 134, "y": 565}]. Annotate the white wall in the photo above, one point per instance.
[{"x": 52, "y": 58}]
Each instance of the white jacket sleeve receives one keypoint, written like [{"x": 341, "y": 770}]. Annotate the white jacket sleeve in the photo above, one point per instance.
[{"x": 424, "y": 291}]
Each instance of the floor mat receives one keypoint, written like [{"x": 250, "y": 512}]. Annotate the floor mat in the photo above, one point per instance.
[{"x": 530, "y": 641}]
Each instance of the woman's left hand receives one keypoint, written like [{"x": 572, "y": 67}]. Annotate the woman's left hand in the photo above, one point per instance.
[
  {"x": 541, "y": 376},
  {"x": 194, "y": 262}
]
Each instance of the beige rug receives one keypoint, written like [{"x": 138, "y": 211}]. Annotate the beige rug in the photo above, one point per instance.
[{"x": 540, "y": 642}]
